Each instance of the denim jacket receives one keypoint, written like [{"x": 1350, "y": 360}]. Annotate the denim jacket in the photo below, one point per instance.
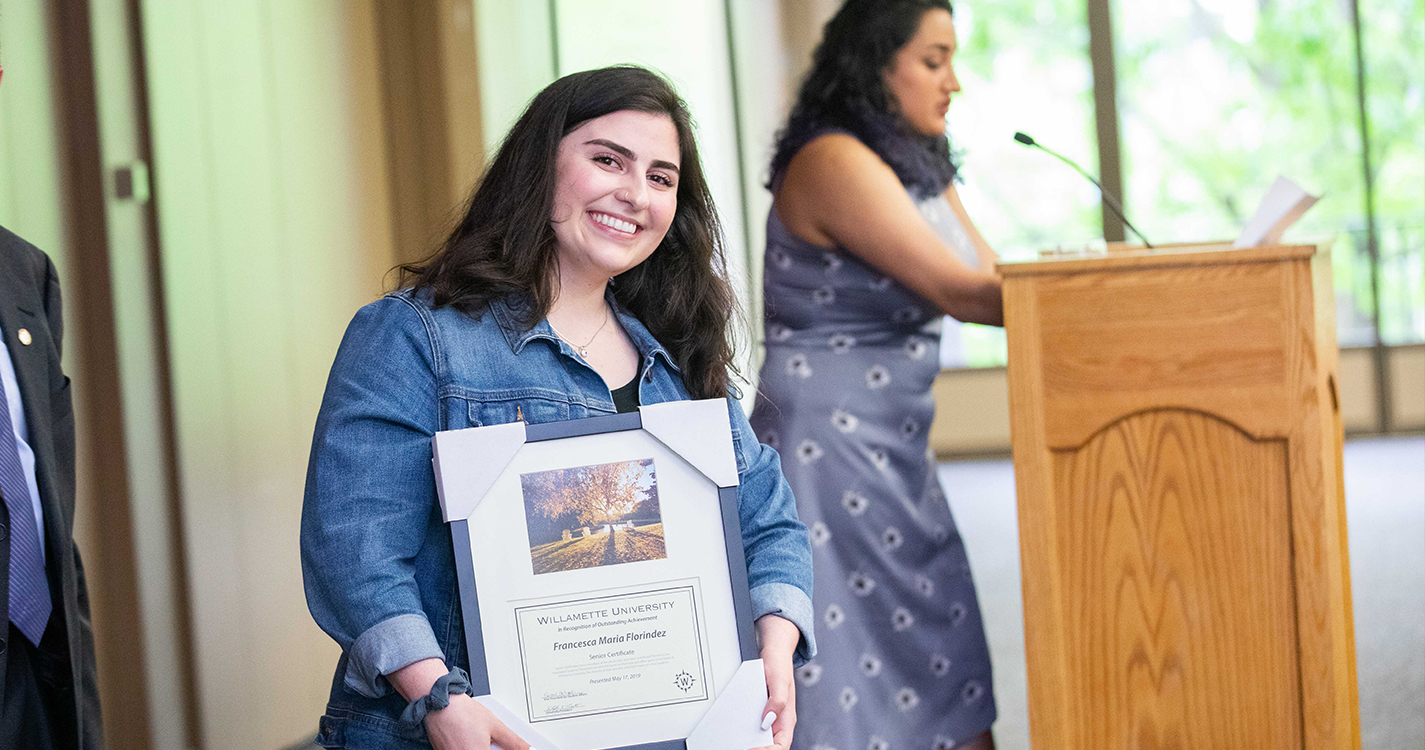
[{"x": 377, "y": 561}]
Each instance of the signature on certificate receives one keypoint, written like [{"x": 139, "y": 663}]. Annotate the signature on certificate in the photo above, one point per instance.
[{"x": 564, "y": 695}]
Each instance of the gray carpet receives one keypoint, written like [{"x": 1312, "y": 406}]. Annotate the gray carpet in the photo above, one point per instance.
[{"x": 1385, "y": 513}]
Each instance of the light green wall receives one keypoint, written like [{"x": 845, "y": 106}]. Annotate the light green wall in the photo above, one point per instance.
[
  {"x": 154, "y": 594},
  {"x": 274, "y": 228},
  {"x": 762, "y": 63},
  {"x": 31, "y": 176},
  {"x": 515, "y": 49}
]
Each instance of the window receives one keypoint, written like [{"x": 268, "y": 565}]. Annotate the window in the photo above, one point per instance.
[
  {"x": 1216, "y": 97},
  {"x": 1023, "y": 65},
  {"x": 1395, "y": 106}
]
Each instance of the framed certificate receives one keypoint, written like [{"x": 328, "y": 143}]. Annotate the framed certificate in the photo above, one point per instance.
[{"x": 603, "y": 583}]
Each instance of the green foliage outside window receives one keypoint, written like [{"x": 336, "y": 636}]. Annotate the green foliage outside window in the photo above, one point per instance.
[
  {"x": 1024, "y": 66},
  {"x": 1218, "y": 97},
  {"x": 1215, "y": 99}
]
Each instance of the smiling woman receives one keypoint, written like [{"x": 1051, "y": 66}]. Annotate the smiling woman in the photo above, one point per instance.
[
  {"x": 586, "y": 278},
  {"x": 625, "y": 155},
  {"x": 612, "y": 208}
]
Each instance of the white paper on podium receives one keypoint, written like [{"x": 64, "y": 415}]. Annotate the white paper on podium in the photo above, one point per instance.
[{"x": 1284, "y": 203}]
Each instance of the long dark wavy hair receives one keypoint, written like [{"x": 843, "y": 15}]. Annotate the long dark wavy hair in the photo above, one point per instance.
[
  {"x": 505, "y": 245},
  {"x": 845, "y": 91}
]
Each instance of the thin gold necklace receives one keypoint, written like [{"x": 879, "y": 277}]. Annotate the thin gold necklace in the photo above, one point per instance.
[{"x": 583, "y": 350}]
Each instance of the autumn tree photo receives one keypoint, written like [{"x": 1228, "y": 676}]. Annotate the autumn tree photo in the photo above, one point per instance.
[
  {"x": 591, "y": 494},
  {"x": 587, "y": 516}
]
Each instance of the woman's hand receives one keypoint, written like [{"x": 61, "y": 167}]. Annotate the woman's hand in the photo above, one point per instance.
[
  {"x": 464, "y": 724},
  {"x": 467, "y": 725},
  {"x": 778, "y": 638}
]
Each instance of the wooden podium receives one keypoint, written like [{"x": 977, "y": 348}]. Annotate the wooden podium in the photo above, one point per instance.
[{"x": 1177, "y": 450}]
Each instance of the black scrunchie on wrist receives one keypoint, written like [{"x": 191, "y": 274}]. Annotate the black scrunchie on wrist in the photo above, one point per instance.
[{"x": 412, "y": 724}]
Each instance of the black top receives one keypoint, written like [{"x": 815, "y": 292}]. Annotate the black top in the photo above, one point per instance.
[{"x": 626, "y": 396}]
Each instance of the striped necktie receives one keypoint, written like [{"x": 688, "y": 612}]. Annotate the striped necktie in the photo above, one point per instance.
[{"x": 30, "y": 603}]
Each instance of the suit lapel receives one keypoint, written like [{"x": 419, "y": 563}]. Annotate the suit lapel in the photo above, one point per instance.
[{"x": 22, "y": 307}]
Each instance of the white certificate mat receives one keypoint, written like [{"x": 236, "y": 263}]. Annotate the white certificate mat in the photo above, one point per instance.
[
  {"x": 612, "y": 653},
  {"x": 532, "y": 558}
]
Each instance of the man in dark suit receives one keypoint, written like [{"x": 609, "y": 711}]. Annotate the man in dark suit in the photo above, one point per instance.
[{"x": 50, "y": 698}]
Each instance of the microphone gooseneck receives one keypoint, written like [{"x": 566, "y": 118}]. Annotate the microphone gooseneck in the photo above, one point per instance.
[{"x": 1108, "y": 198}]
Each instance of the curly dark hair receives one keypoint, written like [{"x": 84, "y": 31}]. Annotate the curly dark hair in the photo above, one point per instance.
[
  {"x": 844, "y": 90},
  {"x": 505, "y": 244}
]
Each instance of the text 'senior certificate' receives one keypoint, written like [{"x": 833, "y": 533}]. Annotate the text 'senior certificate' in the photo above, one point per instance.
[{"x": 612, "y": 653}]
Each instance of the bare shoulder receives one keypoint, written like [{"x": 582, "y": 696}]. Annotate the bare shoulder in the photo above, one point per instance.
[
  {"x": 833, "y": 156},
  {"x": 831, "y": 173}
]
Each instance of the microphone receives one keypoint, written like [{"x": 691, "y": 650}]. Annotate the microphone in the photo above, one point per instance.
[{"x": 1108, "y": 199}]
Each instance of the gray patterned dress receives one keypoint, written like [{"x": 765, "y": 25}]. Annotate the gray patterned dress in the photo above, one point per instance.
[{"x": 845, "y": 397}]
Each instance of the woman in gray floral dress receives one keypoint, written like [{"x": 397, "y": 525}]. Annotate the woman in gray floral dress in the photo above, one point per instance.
[{"x": 867, "y": 246}]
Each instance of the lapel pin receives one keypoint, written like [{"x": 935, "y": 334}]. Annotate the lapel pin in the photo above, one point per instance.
[{"x": 25, "y": 337}]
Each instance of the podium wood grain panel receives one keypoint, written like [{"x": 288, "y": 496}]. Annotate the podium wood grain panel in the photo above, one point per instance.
[
  {"x": 1176, "y": 547},
  {"x": 1177, "y": 449},
  {"x": 1208, "y": 338}
]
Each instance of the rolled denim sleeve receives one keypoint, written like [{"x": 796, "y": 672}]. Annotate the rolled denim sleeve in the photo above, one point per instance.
[
  {"x": 386, "y": 647},
  {"x": 775, "y": 541},
  {"x": 370, "y": 494}
]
